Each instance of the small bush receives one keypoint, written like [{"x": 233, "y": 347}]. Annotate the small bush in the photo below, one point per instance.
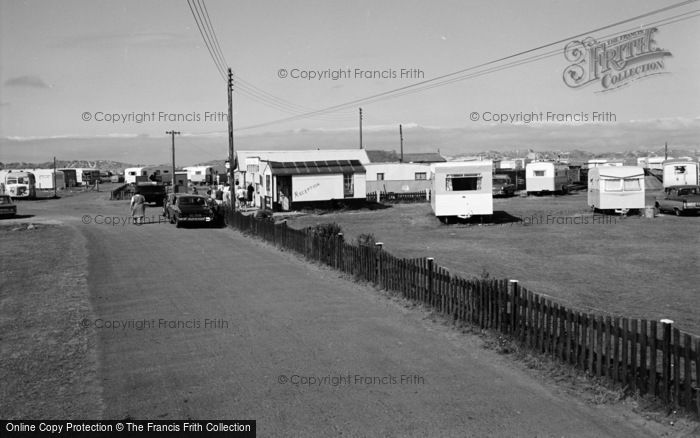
[
  {"x": 326, "y": 231},
  {"x": 366, "y": 239}
]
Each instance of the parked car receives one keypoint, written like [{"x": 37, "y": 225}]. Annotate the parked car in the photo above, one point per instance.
[
  {"x": 680, "y": 200},
  {"x": 7, "y": 208},
  {"x": 184, "y": 208},
  {"x": 502, "y": 186}
]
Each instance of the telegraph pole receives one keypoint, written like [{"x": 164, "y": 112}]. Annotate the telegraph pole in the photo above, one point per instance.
[
  {"x": 360, "y": 128},
  {"x": 173, "y": 134},
  {"x": 231, "y": 160},
  {"x": 401, "y": 136},
  {"x": 55, "y": 195}
]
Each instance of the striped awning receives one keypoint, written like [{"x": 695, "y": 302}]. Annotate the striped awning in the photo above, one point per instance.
[{"x": 316, "y": 167}]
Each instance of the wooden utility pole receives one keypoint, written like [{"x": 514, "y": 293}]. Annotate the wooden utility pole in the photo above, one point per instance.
[
  {"x": 666, "y": 151},
  {"x": 231, "y": 159},
  {"x": 360, "y": 128},
  {"x": 55, "y": 195},
  {"x": 401, "y": 136},
  {"x": 173, "y": 134}
]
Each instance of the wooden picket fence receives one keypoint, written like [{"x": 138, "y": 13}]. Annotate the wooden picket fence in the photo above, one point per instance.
[
  {"x": 395, "y": 197},
  {"x": 647, "y": 357}
]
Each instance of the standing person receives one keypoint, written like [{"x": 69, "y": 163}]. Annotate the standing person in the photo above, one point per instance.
[
  {"x": 240, "y": 194},
  {"x": 251, "y": 190},
  {"x": 138, "y": 207}
]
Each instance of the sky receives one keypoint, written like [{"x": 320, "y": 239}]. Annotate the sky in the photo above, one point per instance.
[{"x": 115, "y": 75}]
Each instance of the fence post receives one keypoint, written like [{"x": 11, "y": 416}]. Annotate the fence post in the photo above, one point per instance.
[
  {"x": 339, "y": 250},
  {"x": 513, "y": 305},
  {"x": 378, "y": 263},
  {"x": 666, "y": 359},
  {"x": 430, "y": 280}
]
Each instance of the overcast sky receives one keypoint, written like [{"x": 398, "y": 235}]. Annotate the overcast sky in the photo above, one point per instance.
[{"x": 59, "y": 60}]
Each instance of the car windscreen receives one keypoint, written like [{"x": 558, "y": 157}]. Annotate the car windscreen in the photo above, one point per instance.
[{"x": 191, "y": 200}]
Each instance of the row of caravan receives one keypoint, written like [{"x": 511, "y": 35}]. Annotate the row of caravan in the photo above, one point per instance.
[
  {"x": 463, "y": 189},
  {"x": 23, "y": 183},
  {"x": 194, "y": 174}
]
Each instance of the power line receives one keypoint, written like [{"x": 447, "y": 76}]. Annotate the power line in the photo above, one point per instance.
[
  {"x": 216, "y": 39},
  {"x": 204, "y": 34},
  {"x": 200, "y": 13},
  {"x": 429, "y": 82}
]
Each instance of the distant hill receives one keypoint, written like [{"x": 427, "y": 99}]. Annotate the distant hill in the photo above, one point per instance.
[{"x": 112, "y": 166}]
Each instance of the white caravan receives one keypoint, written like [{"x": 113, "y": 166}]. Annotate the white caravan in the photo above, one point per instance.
[
  {"x": 680, "y": 172},
  {"x": 462, "y": 189},
  {"x": 546, "y": 176},
  {"x": 618, "y": 188},
  {"x": 44, "y": 179}
]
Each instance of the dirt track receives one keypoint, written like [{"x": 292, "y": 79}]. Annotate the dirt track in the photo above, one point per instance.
[{"x": 254, "y": 320}]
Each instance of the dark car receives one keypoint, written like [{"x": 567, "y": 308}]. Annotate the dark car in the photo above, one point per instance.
[
  {"x": 7, "y": 208},
  {"x": 502, "y": 186},
  {"x": 680, "y": 200},
  {"x": 184, "y": 208}
]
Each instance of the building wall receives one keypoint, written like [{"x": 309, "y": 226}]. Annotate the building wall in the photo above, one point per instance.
[{"x": 398, "y": 177}]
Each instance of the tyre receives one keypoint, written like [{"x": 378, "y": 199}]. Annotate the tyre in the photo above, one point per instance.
[
  {"x": 677, "y": 212},
  {"x": 178, "y": 223}
]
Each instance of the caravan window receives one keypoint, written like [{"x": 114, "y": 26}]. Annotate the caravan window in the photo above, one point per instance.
[
  {"x": 380, "y": 177},
  {"x": 421, "y": 176},
  {"x": 679, "y": 169},
  {"x": 462, "y": 182},
  {"x": 613, "y": 185},
  {"x": 538, "y": 172},
  {"x": 632, "y": 185}
]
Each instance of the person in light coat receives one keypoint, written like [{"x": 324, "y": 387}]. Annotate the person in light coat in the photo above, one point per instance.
[{"x": 138, "y": 208}]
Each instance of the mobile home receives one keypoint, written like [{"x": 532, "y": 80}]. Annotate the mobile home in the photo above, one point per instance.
[
  {"x": 681, "y": 172},
  {"x": 462, "y": 189},
  {"x": 200, "y": 174},
  {"x": 398, "y": 177},
  {"x": 87, "y": 176},
  {"x": 652, "y": 162},
  {"x": 130, "y": 174},
  {"x": 618, "y": 188},
  {"x": 47, "y": 179},
  {"x": 70, "y": 177},
  {"x": 546, "y": 176}
]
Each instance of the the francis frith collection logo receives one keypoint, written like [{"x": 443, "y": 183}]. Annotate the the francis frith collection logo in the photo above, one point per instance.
[{"x": 614, "y": 62}]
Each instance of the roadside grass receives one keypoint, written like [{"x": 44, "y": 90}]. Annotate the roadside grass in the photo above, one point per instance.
[
  {"x": 629, "y": 266},
  {"x": 48, "y": 362}
]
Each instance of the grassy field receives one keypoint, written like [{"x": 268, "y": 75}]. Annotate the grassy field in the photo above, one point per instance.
[
  {"x": 635, "y": 267},
  {"x": 48, "y": 362}
]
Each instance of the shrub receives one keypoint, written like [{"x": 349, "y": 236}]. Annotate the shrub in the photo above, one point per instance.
[
  {"x": 366, "y": 239},
  {"x": 327, "y": 231}
]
